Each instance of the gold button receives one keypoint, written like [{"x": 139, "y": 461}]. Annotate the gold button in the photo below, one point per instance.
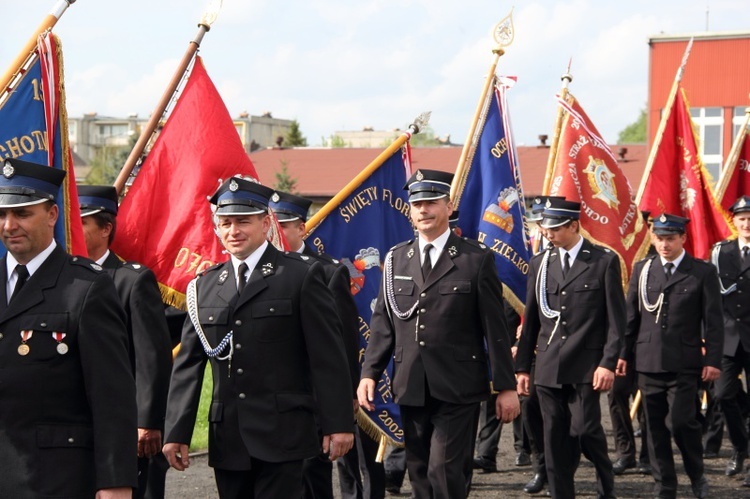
[
  {"x": 272, "y": 310},
  {"x": 43, "y": 324},
  {"x": 240, "y": 371},
  {"x": 423, "y": 310},
  {"x": 423, "y": 295},
  {"x": 210, "y": 317},
  {"x": 421, "y": 343},
  {"x": 71, "y": 440},
  {"x": 399, "y": 289},
  {"x": 474, "y": 357},
  {"x": 563, "y": 307},
  {"x": 238, "y": 322},
  {"x": 242, "y": 396},
  {"x": 564, "y": 293},
  {"x": 564, "y": 323},
  {"x": 455, "y": 288},
  {"x": 421, "y": 326}
]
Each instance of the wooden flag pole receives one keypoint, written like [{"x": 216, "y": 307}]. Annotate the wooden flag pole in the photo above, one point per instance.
[
  {"x": 419, "y": 123},
  {"x": 28, "y": 53},
  {"x": 566, "y": 79},
  {"x": 663, "y": 123},
  {"x": 731, "y": 163},
  {"x": 503, "y": 34},
  {"x": 135, "y": 155}
]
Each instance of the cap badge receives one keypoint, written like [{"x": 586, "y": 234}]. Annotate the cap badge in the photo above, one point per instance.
[
  {"x": 742, "y": 203},
  {"x": 420, "y": 176},
  {"x": 233, "y": 185},
  {"x": 275, "y": 198},
  {"x": 548, "y": 204},
  {"x": 8, "y": 171},
  {"x": 663, "y": 218},
  {"x": 537, "y": 200}
]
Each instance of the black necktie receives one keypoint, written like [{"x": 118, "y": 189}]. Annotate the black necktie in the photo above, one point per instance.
[
  {"x": 241, "y": 271},
  {"x": 745, "y": 249},
  {"x": 566, "y": 264},
  {"x": 427, "y": 262},
  {"x": 668, "y": 269},
  {"x": 23, "y": 276}
]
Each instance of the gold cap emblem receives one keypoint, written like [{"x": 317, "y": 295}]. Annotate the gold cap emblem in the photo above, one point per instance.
[{"x": 8, "y": 171}]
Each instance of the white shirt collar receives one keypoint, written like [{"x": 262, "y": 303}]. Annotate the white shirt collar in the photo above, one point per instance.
[
  {"x": 100, "y": 261},
  {"x": 33, "y": 265},
  {"x": 676, "y": 261},
  {"x": 301, "y": 248},
  {"x": 437, "y": 246},
  {"x": 251, "y": 260},
  {"x": 742, "y": 245},
  {"x": 573, "y": 252}
]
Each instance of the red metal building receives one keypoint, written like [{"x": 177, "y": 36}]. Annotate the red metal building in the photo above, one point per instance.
[{"x": 716, "y": 82}]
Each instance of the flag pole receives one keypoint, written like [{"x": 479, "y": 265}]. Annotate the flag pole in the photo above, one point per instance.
[
  {"x": 419, "y": 123},
  {"x": 503, "y": 34},
  {"x": 663, "y": 123},
  {"x": 731, "y": 162},
  {"x": 28, "y": 53},
  {"x": 566, "y": 79},
  {"x": 204, "y": 26}
]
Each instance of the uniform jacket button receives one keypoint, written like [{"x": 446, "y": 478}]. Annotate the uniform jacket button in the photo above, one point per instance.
[
  {"x": 240, "y": 371},
  {"x": 238, "y": 346},
  {"x": 238, "y": 322},
  {"x": 422, "y": 310},
  {"x": 210, "y": 317},
  {"x": 563, "y": 307},
  {"x": 423, "y": 295},
  {"x": 421, "y": 343},
  {"x": 272, "y": 310},
  {"x": 564, "y": 323},
  {"x": 564, "y": 293},
  {"x": 421, "y": 326},
  {"x": 71, "y": 440},
  {"x": 242, "y": 396}
]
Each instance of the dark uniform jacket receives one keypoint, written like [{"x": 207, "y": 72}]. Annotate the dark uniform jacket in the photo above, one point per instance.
[
  {"x": 732, "y": 271},
  {"x": 337, "y": 277},
  {"x": 67, "y": 422},
  {"x": 592, "y": 318},
  {"x": 691, "y": 310},
  {"x": 460, "y": 307},
  {"x": 150, "y": 349},
  {"x": 288, "y": 363}
]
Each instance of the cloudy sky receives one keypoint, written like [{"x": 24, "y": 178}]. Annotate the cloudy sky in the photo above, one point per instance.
[{"x": 345, "y": 64}]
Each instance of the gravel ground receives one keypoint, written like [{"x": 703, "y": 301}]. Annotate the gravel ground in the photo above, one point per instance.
[{"x": 198, "y": 482}]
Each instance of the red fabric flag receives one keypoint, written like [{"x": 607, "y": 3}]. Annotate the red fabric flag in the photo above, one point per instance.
[
  {"x": 739, "y": 180},
  {"x": 678, "y": 183},
  {"x": 586, "y": 170},
  {"x": 165, "y": 220}
]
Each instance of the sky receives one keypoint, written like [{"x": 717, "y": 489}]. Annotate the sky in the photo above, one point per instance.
[{"x": 345, "y": 64}]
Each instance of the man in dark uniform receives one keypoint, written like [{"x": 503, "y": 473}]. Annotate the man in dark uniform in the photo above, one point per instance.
[
  {"x": 150, "y": 350},
  {"x": 68, "y": 414},
  {"x": 439, "y": 302},
  {"x": 575, "y": 312},
  {"x": 267, "y": 322},
  {"x": 674, "y": 301},
  {"x": 291, "y": 212},
  {"x": 733, "y": 266}
]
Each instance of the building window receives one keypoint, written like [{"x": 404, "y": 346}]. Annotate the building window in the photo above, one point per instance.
[
  {"x": 737, "y": 120},
  {"x": 709, "y": 125}
]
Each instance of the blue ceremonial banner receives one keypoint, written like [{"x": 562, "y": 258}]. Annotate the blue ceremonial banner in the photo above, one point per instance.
[
  {"x": 37, "y": 99},
  {"x": 491, "y": 204},
  {"x": 359, "y": 232}
]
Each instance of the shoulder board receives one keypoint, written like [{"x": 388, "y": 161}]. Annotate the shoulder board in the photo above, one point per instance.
[
  {"x": 138, "y": 267},
  {"x": 86, "y": 263},
  {"x": 474, "y": 242},
  {"x": 299, "y": 257},
  {"x": 601, "y": 248},
  {"x": 211, "y": 268},
  {"x": 402, "y": 244},
  {"x": 725, "y": 241}
]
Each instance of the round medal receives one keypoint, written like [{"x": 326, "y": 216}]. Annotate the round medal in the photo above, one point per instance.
[
  {"x": 23, "y": 349},
  {"x": 62, "y": 348}
]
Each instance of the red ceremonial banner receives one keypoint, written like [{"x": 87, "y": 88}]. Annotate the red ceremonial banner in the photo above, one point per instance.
[
  {"x": 678, "y": 183},
  {"x": 165, "y": 220},
  {"x": 739, "y": 180},
  {"x": 586, "y": 170}
]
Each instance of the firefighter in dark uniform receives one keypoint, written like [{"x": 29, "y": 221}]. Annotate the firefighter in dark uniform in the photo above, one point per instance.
[
  {"x": 291, "y": 212},
  {"x": 67, "y": 410},
  {"x": 574, "y": 319},
  {"x": 674, "y": 302},
  {"x": 439, "y": 302},
  {"x": 733, "y": 265},
  {"x": 267, "y": 322},
  {"x": 150, "y": 349}
]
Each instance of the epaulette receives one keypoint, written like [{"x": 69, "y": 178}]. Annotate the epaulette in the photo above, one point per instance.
[
  {"x": 299, "y": 257},
  {"x": 474, "y": 242},
  {"x": 402, "y": 243},
  {"x": 86, "y": 263},
  {"x": 601, "y": 248},
  {"x": 134, "y": 266},
  {"x": 210, "y": 269},
  {"x": 725, "y": 241}
]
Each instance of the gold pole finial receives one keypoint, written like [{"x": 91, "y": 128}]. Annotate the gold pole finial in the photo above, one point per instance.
[{"x": 210, "y": 14}]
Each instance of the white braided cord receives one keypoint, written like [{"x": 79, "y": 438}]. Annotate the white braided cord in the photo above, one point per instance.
[
  {"x": 390, "y": 295},
  {"x": 715, "y": 261},
  {"x": 643, "y": 293},
  {"x": 192, "y": 308},
  {"x": 541, "y": 295}
]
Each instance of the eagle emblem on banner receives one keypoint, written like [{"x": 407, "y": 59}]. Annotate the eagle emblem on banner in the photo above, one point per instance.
[{"x": 602, "y": 182}]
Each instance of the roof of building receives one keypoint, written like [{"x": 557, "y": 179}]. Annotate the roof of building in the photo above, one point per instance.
[{"x": 322, "y": 172}]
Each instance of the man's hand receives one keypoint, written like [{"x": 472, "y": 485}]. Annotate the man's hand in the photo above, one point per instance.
[
  {"x": 622, "y": 367},
  {"x": 522, "y": 383},
  {"x": 710, "y": 373},
  {"x": 118, "y": 493},
  {"x": 337, "y": 444},
  {"x": 603, "y": 379},
  {"x": 507, "y": 406},
  {"x": 177, "y": 456},
  {"x": 513, "y": 352},
  {"x": 366, "y": 393},
  {"x": 149, "y": 442}
]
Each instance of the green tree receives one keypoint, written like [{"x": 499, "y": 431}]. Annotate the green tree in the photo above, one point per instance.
[
  {"x": 294, "y": 137},
  {"x": 284, "y": 181},
  {"x": 635, "y": 133},
  {"x": 108, "y": 162},
  {"x": 336, "y": 141},
  {"x": 425, "y": 138}
]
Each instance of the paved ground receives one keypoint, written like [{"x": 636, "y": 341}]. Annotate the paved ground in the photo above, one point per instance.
[{"x": 197, "y": 482}]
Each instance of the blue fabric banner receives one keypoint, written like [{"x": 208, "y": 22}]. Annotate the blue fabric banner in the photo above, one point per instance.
[
  {"x": 359, "y": 232},
  {"x": 491, "y": 205}
]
